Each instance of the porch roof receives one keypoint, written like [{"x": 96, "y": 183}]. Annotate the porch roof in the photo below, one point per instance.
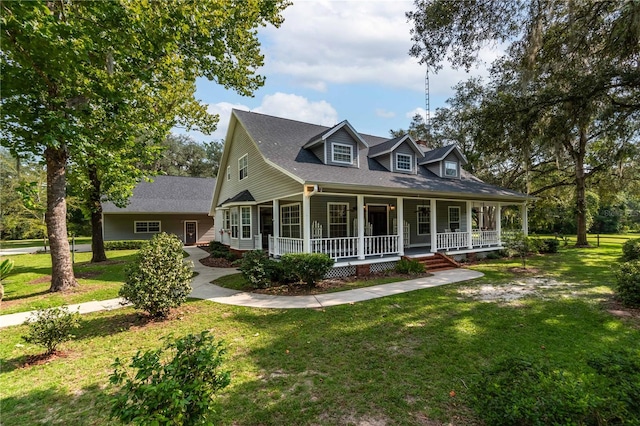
[
  {"x": 244, "y": 196},
  {"x": 282, "y": 141}
]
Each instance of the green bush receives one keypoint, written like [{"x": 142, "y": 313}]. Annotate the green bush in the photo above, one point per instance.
[
  {"x": 409, "y": 266},
  {"x": 158, "y": 279},
  {"x": 174, "y": 386},
  {"x": 257, "y": 268},
  {"x": 520, "y": 245},
  {"x": 551, "y": 245},
  {"x": 51, "y": 327},
  {"x": 495, "y": 255},
  {"x": 628, "y": 282},
  {"x": 6, "y": 266},
  {"x": 306, "y": 267},
  {"x": 631, "y": 249},
  {"x": 220, "y": 251},
  {"x": 124, "y": 245}
]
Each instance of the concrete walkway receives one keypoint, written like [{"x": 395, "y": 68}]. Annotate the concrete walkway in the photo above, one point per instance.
[{"x": 203, "y": 289}]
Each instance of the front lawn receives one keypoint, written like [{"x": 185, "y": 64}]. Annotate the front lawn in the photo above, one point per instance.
[
  {"x": 27, "y": 288},
  {"x": 10, "y": 244},
  {"x": 393, "y": 360}
]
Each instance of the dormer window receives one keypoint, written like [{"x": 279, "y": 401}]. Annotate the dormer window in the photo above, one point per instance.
[
  {"x": 450, "y": 168},
  {"x": 404, "y": 162},
  {"x": 341, "y": 153}
]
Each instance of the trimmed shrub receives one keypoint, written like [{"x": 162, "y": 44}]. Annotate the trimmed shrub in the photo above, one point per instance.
[
  {"x": 518, "y": 244},
  {"x": 257, "y": 268},
  {"x": 631, "y": 249},
  {"x": 628, "y": 282},
  {"x": 218, "y": 250},
  {"x": 409, "y": 266},
  {"x": 174, "y": 385},
  {"x": 551, "y": 245},
  {"x": 50, "y": 327},
  {"x": 306, "y": 267},
  {"x": 124, "y": 245},
  {"x": 158, "y": 279}
]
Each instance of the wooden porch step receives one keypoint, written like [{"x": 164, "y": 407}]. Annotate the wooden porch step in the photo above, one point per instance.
[{"x": 437, "y": 262}]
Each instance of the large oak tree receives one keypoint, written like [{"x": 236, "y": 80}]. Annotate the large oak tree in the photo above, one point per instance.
[{"x": 64, "y": 61}]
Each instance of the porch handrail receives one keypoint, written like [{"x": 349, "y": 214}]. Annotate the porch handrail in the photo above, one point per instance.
[
  {"x": 482, "y": 238},
  {"x": 452, "y": 240},
  {"x": 381, "y": 245},
  {"x": 283, "y": 245},
  {"x": 336, "y": 248}
]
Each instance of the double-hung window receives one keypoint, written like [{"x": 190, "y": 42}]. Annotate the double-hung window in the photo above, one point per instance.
[
  {"x": 403, "y": 162},
  {"x": 228, "y": 173},
  {"x": 234, "y": 223},
  {"x": 243, "y": 167},
  {"x": 454, "y": 219},
  {"x": 147, "y": 227},
  {"x": 245, "y": 222},
  {"x": 226, "y": 219},
  {"x": 338, "y": 219},
  {"x": 424, "y": 220},
  {"x": 450, "y": 168},
  {"x": 341, "y": 153},
  {"x": 290, "y": 221}
]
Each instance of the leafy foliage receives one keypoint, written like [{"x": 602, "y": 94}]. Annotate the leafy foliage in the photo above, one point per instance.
[
  {"x": 257, "y": 268},
  {"x": 520, "y": 390},
  {"x": 219, "y": 250},
  {"x": 409, "y": 266},
  {"x": 6, "y": 266},
  {"x": 124, "y": 245},
  {"x": 174, "y": 385},
  {"x": 307, "y": 267},
  {"x": 628, "y": 282},
  {"x": 51, "y": 327},
  {"x": 519, "y": 245},
  {"x": 158, "y": 279},
  {"x": 631, "y": 249}
]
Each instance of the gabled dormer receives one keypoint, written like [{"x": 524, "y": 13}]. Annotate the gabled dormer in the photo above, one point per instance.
[
  {"x": 399, "y": 155},
  {"x": 338, "y": 146},
  {"x": 445, "y": 162}
]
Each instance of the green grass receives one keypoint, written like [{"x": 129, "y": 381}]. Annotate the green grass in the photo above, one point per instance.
[
  {"x": 392, "y": 360},
  {"x": 8, "y": 244},
  {"x": 27, "y": 288}
]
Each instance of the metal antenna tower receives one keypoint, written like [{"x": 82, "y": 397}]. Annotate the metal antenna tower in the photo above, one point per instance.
[{"x": 427, "y": 120}]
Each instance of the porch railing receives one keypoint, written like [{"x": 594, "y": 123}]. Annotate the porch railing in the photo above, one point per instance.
[
  {"x": 281, "y": 245},
  {"x": 381, "y": 244},
  {"x": 481, "y": 238},
  {"x": 452, "y": 240},
  {"x": 337, "y": 248}
]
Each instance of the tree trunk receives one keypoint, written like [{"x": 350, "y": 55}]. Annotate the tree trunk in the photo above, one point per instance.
[
  {"x": 581, "y": 199},
  {"x": 62, "y": 277},
  {"x": 95, "y": 206}
]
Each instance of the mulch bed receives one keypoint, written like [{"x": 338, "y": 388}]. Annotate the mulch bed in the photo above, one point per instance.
[{"x": 217, "y": 262}]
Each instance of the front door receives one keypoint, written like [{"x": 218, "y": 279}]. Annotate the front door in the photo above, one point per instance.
[
  {"x": 266, "y": 226},
  {"x": 190, "y": 232},
  {"x": 377, "y": 217}
]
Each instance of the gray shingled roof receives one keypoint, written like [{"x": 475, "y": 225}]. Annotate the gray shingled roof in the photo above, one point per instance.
[
  {"x": 376, "y": 150},
  {"x": 169, "y": 194},
  {"x": 281, "y": 141},
  {"x": 241, "y": 196}
]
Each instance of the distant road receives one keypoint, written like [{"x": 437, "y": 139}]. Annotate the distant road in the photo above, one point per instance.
[{"x": 31, "y": 250}]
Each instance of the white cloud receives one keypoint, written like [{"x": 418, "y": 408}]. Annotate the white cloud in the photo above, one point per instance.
[
  {"x": 384, "y": 113},
  {"x": 415, "y": 111},
  {"x": 323, "y": 42},
  {"x": 278, "y": 104}
]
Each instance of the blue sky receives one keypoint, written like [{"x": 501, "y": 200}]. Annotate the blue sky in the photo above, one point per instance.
[{"x": 337, "y": 60}]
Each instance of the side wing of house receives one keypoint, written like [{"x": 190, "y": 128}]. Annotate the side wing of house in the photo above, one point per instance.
[{"x": 245, "y": 180}]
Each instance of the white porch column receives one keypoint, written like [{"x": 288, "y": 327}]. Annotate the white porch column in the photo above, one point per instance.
[
  {"x": 481, "y": 217},
  {"x": 469, "y": 221},
  {"x": 525, "y": 219},
  {"x": 360, "y": 215},
  {"x": 400, "y": 222},
  {"x": 306, "y": 223},
  {"x": 276, "y": 218},
  {"x": 433, "y": 223},
  {"x": 499, "y": 222}
]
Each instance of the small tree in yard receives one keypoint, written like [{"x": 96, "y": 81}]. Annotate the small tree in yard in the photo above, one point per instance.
[
  {"x": 307, "y": 267},
  {"x": 50, "y": 327},
  {"x": 158, "y": 279},
  {"x": 174, "y": 386},
  {"x": 519, "y": 245}
]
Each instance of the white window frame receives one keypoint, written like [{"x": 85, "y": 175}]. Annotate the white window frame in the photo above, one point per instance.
[
  {"x": 244, "y": 224},
  {"x": 455, "y": 168},
  {"x": 226, "y": 220},
  {"x": 243, "y": 169},
  {"x": 426, "y": 219},
  {"x": 228, "y": 173},
  {"x": 235, "y": 222},
  {"x": 459, "y": 221},
  {"x": 147, "y": 223},
  {"x": 329, "y": 223},
  {"x": 341, "y": 145},
  {"x": 409, "y": 156},
  {"x": 287, "y": 223}
]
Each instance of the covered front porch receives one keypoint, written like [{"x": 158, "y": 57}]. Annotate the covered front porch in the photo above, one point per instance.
[{"x": 358, "y": 227}]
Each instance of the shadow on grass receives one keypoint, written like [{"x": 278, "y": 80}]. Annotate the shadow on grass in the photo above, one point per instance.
[
  {"x": 57, "y": 404},
  {"x": 112, "y": 324},
  {"x": 8, "y": 297}
]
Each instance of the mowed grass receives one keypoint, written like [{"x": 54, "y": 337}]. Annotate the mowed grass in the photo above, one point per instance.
[
  {"x": 390, "y": 361},
  {"x": 27, "y": 287},
  {"x": 9, "y": 244}
]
